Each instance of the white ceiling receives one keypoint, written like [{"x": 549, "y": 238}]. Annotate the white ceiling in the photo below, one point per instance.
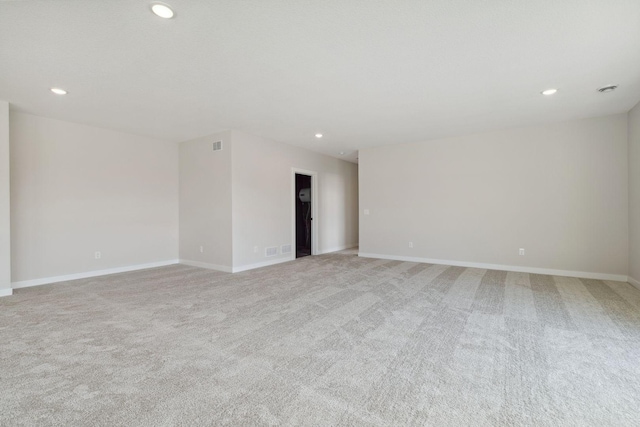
[{"x": 363, "y": 72}]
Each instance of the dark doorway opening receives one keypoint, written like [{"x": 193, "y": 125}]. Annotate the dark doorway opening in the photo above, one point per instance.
[{"x": 303, "y": 215}]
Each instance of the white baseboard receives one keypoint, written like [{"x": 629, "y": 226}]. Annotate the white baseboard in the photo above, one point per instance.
[
  {"x": 238, "y": 269},
  {"x": 338, "y": 248},
  {"x": 95, "y": 273},
  {"x": 633, "y": 282},
  {"x": 262, "y": 264},
  {"x": 206, "y": 265},
  {"x": 534, "y": 270},
  {"x": 6, "y": 292}
]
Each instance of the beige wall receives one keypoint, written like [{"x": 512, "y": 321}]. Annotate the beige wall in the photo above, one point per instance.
[
  {"x": 5, "y": 225},
  {"x": 263, "y": 198},
  {"x": 205, "y": 201},
  {"x": 558, "y": 191},
  {"x": 77, "y": 189},
  {"x": 634, "y": 194}
]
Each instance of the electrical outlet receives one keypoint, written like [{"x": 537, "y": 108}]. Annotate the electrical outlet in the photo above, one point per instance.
[
  {"x": 201, "y": 249},
  {"x": 98, "y": 255},
  {"x": 255, "y": 249},
  {"x": 521, "y": 252},
  {"x": 411, "y": 244},
  {"x": 366, "y": 211}
]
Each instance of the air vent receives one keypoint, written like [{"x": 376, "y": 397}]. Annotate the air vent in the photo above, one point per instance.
[
  {"x": 217, "y": 146},
  {"x": 271, "y": 251},
  {"x": 285, "y": 249},
  {"x": 609, "y": 88}
]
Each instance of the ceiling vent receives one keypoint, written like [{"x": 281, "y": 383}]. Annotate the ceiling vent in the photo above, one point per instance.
[
  {"x": 217, "y": 146},
  {"x": 609, "y": 88}
]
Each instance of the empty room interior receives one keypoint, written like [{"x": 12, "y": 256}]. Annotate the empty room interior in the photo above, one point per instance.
[{"x": 330, "y": 213}]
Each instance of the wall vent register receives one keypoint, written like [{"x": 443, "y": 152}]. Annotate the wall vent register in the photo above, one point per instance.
[
  {"x": 271, "y": 251},
  {"x": 217, "y": 146}
]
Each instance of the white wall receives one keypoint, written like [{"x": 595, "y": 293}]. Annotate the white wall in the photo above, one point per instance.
[
  {"x": 262, "y": 198},
  {"x": 634, "y": 194},
  {"x": 558, "y": 191},
  {"x": 205, "y": 202},
  {"x": 77, "y": 189},
  {"x": 5, "y": 225},
  {"x": 241, "y": 197}
]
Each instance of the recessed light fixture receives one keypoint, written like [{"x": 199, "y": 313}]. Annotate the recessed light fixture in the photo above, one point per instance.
[
  {"x": 58, "y": 91},
  {"x": 342, "y": 153},
  {"x": 162, "y": 10},
  {"x": 549, "y": 91},
  {"x": 608, "y": 88},
  {"x": 318, "y": 135}
]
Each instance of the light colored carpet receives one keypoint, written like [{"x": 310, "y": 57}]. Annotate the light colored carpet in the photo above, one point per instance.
[{"x": 326, "y": 340}]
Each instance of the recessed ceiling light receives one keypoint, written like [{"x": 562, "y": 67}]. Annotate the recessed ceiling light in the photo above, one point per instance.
[
  {"x": 608, "y": 88},
  {"x": 318, "y": 135},
  {"x": 162, "y": 10},
  {"x": 549, "y": 91},
  {"x": 58, "y": 91},
  {"x": 342, "y": 153}
]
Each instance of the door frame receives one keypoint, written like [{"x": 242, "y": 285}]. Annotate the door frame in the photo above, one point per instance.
[{"x": 314, "y": 209}]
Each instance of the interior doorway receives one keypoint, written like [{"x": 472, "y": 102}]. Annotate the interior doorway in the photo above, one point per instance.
[{"x": 303, "y": 215}]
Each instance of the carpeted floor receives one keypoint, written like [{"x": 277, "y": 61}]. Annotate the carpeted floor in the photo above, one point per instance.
[{"x": 325, "y": 340}]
